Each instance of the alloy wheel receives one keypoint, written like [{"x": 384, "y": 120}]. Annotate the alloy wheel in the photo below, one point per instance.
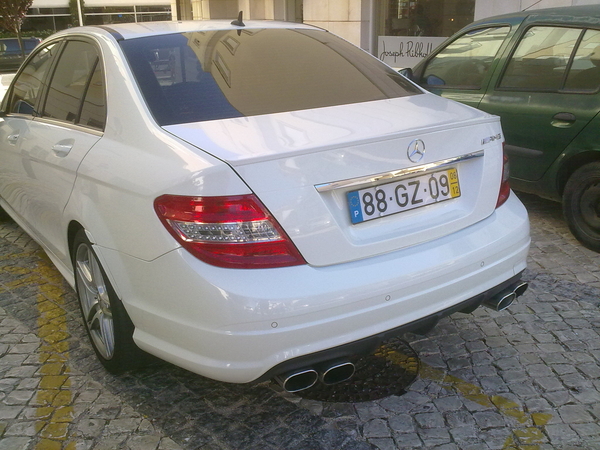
[{"x": 95, "y": 301}]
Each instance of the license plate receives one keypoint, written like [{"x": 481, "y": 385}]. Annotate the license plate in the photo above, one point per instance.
[{"x": 409, "y": 193}]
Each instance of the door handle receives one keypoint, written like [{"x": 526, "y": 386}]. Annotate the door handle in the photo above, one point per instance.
[
  {"x": 13, "y": 138},
  {"x": 563, "y": 120},
  {"x": 62, "y": 150}
]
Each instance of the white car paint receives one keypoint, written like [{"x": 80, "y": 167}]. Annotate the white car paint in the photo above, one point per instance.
[
  {"x": 236, "y": 324},
  {"x": 329, "y": 150}
]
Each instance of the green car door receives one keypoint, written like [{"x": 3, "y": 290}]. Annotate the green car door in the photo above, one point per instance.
[
  {"x": 545, "y": 93},
  {"x": 540, "y": 72}
]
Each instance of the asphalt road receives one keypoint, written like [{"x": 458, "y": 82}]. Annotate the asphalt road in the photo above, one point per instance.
[{"x": 525, "y": 378}]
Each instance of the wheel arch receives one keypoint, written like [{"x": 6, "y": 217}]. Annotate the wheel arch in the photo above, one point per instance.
[
  {"x": 569, "y": 166},
  {"x": 74, "y": 228},
  {"x": 72, "y": 231}
]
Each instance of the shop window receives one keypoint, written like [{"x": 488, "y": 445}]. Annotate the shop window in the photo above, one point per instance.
[{"x": 434, "y": 18}]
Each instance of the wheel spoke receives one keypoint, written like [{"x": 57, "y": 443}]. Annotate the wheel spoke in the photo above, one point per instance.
[
  {"x": 95, "y": 301},
  {"x": 85, "y": 276},
  {"x": 108, "y": 334},
  {"x": 94, "y": 317}
]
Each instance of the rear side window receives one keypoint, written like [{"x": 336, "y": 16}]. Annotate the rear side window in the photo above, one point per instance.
[
  {"x": 541, "y": 58},
  {"x": 192, "y": 77},
  {"x": 553, "y": 59},
  {"x": 465, "y": 62},
  {"x": 93, "y": 111},
  {"x": 76, "y": 92},
  {"x": 585, "y": 70}
]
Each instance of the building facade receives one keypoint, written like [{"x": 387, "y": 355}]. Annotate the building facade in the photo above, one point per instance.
[{"x": 362, "y": 22}]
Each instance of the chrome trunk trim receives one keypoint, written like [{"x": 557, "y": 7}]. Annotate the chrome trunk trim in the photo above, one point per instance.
[{"x": 391, "y": 176}]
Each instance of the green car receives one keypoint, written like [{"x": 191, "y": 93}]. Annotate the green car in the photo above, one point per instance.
[{"x": 539, "y": 70}]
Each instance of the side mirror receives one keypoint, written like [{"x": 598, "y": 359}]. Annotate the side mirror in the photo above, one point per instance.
[
  {"x": 406, "y": 73},
  {"x": 433, "y": 80}
]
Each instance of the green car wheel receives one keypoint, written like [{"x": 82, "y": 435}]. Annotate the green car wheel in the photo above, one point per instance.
[{"x": 581, "y": 205}]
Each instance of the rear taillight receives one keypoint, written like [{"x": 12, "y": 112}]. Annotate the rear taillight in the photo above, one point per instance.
[
  {"x": 231, "y": 231},
  {"x": 504, "y": 186}
]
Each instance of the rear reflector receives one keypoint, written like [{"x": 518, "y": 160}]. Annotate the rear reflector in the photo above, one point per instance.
[{"x": 230, "y": 231}]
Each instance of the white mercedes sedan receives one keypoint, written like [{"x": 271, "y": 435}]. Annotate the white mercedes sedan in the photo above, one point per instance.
[{"x": 254, "y": 200}]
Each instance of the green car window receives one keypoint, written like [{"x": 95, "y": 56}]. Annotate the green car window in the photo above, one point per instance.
[
  {"x": 585, "y": 70},
  {"x": 464, "y": 63},
  {"x": 541, "y": 59}
]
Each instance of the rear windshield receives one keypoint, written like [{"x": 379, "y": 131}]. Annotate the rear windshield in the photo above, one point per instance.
[{"x": 199, "y": 76}]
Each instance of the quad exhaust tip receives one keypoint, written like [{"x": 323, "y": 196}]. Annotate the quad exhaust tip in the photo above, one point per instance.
[
  {"x": 302, "y": 379},
  {"x": 521, "y": 288},
  {"x": 503, "y": 300},
  {"x": 298, "y": 381},
  {"x": 337, "y": 374}
]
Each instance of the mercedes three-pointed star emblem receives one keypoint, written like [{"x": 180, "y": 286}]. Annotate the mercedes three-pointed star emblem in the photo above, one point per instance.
[{"x": 416, "y": 150}]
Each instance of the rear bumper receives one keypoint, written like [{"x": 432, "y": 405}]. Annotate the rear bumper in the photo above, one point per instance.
[
  {"x": 243, "y": 325},
  {"x": 369, "y": 344}
]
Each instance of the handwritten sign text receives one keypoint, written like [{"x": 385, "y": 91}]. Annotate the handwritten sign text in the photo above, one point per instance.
[{"x": 406, "y": 51}]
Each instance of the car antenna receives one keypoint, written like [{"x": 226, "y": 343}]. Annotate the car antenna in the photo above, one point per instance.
[{"x": 238, "y": 22}]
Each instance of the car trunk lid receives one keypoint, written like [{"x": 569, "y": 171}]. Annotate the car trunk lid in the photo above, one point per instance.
[{"x": 303, "y": 165}]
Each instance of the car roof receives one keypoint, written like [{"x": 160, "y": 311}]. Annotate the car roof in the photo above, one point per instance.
[
  {"x": 137, "y": 30},
  {"x": 583, "y": 14}
]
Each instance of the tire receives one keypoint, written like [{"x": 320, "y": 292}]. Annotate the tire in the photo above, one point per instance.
[
  {"x": 108, "y": 326},
  {"x": 581, "y": 205}
]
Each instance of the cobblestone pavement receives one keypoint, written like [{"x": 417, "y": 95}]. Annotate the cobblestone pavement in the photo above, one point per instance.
[{"x": 526, "y": 378}]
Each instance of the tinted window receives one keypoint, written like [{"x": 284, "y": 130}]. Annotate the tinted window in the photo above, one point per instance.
[
  {"x": 541, "y": 59},
  {"x": 71, "y": 81},
  {"x": 93, "y": 112},
  {"x": 464, "y": 63},
  {"x": 28, "y": 86},
  {"x": 197, "y": 76}
]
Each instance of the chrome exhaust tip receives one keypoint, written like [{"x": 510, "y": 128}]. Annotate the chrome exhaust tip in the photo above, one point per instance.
[
  {"x": 297, "y": 381},
  {"x": 500, "y": 302},
  {"x": 503, "y": 300},
  {"x": 337, "y": 373},
  {"x": 521, "y": 288}
]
